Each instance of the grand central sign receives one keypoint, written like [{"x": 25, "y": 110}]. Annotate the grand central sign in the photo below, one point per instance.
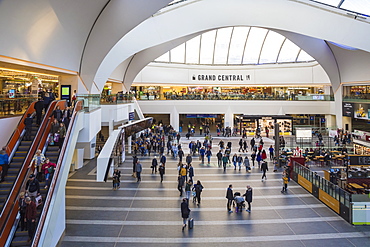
[{"x": 221, "y": 77}]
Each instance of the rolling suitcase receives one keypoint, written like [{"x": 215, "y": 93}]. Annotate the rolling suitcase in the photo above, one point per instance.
[{"x": 191, "y": 223}]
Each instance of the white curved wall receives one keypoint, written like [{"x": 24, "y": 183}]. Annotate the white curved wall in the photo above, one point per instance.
[
  {"x": 206, "y": 14},
  {"x": 283, "y": 74}
]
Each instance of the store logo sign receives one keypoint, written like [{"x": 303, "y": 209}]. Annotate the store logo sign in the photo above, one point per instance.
[{"x": 221, "y": 77}]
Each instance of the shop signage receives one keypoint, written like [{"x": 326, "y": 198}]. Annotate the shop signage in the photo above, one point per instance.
[
  {"x": 347, "y": 109},
  {"x": 131, "y": 116},
  {"x": 221, "y": 77},
  {"x": 201, "y": 115},
  {"x": 359, "y": 159}
]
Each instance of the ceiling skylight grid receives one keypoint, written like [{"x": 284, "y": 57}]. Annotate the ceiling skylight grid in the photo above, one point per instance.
[{"x": 236, "y": 46}]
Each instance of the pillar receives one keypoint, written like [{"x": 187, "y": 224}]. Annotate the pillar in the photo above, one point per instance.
[
  {"x": 229, "y": 118},
  {"x": 338, "y": 107},
  {"x": 175, "y": 119}
]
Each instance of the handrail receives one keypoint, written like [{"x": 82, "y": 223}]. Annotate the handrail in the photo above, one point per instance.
[
  {"x": 36, "y": 239},
  {"x": 7, "y": 215},
  {"x": 18, "y": 131}
]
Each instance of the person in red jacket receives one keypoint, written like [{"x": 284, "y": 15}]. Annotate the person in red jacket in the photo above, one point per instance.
[
  {"x": 48, "y": 169},
  {"x": 263, "y": 155},
  {"x": 30, "y": 218}
]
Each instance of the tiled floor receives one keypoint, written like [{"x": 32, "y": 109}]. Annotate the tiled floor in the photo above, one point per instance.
[{"x": 148, "y": 213}]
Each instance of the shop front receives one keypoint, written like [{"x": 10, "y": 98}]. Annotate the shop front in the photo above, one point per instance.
[
  {"x": 19, "y": 88},
  {"x": 265, "y": 124}
]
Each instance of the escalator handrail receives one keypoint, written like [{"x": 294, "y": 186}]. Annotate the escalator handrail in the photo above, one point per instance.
[
  {"x": 6, "y": 221},
  {"x": 18, "y": 131},
  {"x": 78, "y": 107}
]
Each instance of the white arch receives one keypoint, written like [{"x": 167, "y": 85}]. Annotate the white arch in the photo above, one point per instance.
[{"x": 200, "y": 16}]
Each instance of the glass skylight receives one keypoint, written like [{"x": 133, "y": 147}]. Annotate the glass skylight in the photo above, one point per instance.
[
  {"x": 358, "y": 6},
  {"x": 207, "y": 47},
  {"x": 236, "y": 46}
]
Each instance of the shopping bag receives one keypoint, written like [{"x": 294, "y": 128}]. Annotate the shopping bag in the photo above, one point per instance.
[
  {"x": 56, "y": 137},
  {"x": 38, "y": 200}
]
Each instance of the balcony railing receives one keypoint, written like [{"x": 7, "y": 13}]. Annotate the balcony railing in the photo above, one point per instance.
[{"x": 226, "y": 96}]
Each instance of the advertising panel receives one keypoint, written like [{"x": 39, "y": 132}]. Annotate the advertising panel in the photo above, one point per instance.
[
  {"x": 329, "y": 201},
  {"x": 305, "y": 183},
  {"x": 347, "y": 109},
  {"x": 361, "y": 111}
]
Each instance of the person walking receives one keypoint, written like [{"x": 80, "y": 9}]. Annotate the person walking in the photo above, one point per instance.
[
  {"x": 248, "y": 197},
  {"x": 28, "y": 126},
  {"x": 4, "y": 163},
  {"x": 22, "y": 210},
  {"x": 181, "y": 154},
  {"x": 189, "y": 159},
  {"x": 185, "y": 211},
  {"x": 33, "y": 187},
  {"x": 253, "y": 157},
  {"x": 263, "y": 155},
  {"x": 224, "y": 162},
  {"x": 39, "y": 106},
  {"x": 138, "y": 170},
  {"x": 154, "y": 165},
  {"x": 271, "y": 151},
  {"x": 37, "y": 161},
  {"x": 285, "y": 182},
  {"x": 253, "y": 142},
  {"x": 219, "y": 158},
  {"x": 161, "y": 170},
  {"x": 229, "y": 197},
  {"x": 116, "y": 179},
  {"x": 234, "y": 160},
  {"x": 240, "y": 161},
  {"x": 188, "y": 186},
  {"x": 191, "y": 172},
  {"x": 208, "y": 154},
  {"x": 198, "y": 188},
  {"x": 30, "y": 218},
  {"x": 180, "y": 184},
  {"x": 259, "y": 159},
  {"x": 264, "y": 168},
  {"x": 163, "y": 160},
  {"x": 247, "y": 164}
]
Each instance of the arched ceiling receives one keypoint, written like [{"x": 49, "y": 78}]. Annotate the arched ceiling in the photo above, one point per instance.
[{"x": 94, "y": 38}]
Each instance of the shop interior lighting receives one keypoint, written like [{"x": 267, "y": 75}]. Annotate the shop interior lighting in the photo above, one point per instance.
[{"x": 28, "y": 72}]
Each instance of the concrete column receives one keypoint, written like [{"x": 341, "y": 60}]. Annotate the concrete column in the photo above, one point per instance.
[
  {"x": 129, "y": 140},
  {"x": 330, "y": 122},
  {"x": 89, "y": 149},
  {"x": 338, "y": 107},
  {"x": 229, "y": 118},
  {"x": 175, "y": 119}
]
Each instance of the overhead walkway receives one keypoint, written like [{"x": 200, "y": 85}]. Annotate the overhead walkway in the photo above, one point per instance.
[{"x": 148, "y": 213}]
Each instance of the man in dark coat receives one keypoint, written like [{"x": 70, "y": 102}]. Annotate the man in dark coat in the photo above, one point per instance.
[
  {"x": 30, "y": 218},
  {"x": 163, "y": 160},
  {"x": 264, "y": 168},
  {"x": 28, "y": 126},
  {"x": 248, "y": 197},
  {"x": 229, "y": 197},
  {"x": 189, "y": 159},
  {"x": 185, "y": 211},
  {"x": 39, "y": 106},
  {"x": 154, "y": 165}
]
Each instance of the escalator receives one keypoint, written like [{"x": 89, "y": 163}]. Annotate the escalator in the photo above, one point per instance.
[
  {"x": 18, "y": 174},
  {"x": 21, "y": 146}
]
